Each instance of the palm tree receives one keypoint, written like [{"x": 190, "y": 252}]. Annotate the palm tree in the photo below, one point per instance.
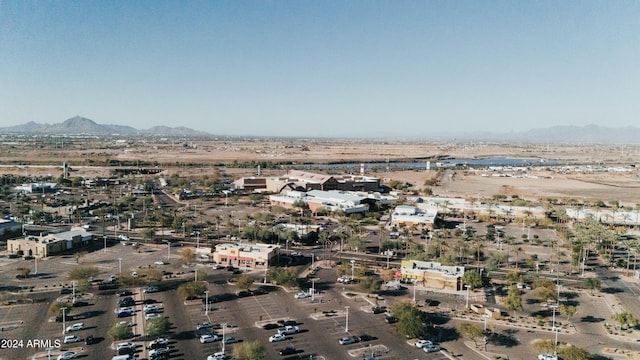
[{"x": 592, "y": 283}]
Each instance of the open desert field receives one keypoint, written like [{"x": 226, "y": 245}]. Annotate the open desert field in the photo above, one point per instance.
[{"x": 88, "y": 157}]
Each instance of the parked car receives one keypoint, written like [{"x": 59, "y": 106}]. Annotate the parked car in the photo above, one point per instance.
[
  {"x": 277, "y": 337},
  {"x": 270, "y": 326},
  {"x": 67, "y": 355},
  {"x": 547, "y": 357},
  {"x": 90, "y": 340},
  {"x": 346, "y": 340},
  {"x": 378, "y": 309},
  {"x": 216, "y": 356},
  {"x": 288, "y": 351},
  {"x": 126, "y": 301},
  {"x": 288, "y": 330},
  {"x": 150, "y": 309},
  {"x": 80, "y": 304},
  {"x": 431, "y": 348},
  {"x": 231, "y": 340},
  {"x": 157, "y": 343},
  {"x": 69, "y": 339},
  {"x": 422, "y": 343},
  {"x": 207, "y": 338},
  {"x": 151, "y": 289},
  {"x": 159, "y": 262},
  {"x": 75, "y": 327},
  {"x": 365, "y": 337},
  {"x": 159, "y": 351},
  {"x": 391, "y": 319},
  {"x": 125, "y": 345},
  {"x": 204, "y": 325},
  {"x": 126, "y": 293},
  {"x": 301, "y": 295},
  {"x": 152, "y": 316},
  {"x": 287, "y": 322}
]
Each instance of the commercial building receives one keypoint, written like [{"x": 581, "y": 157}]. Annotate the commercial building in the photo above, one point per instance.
[
  {"x": 306, "y": 181},
  {"x": 411, "y": 215},
  {"x": 254, "y": 256},
  {"x": 9, "y": 228},
  {"x": 348, "y": 202},
  {"x": 47, "y": 245},
  {"x": 432, "y": 274}
]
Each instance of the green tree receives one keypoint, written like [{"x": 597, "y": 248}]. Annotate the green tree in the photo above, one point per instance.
[
  {"x": 244, "y": 282},
  {"x": 592, "y": 284},
  {"x": 370, "y": 284},
  {"x": 571, "y": 352},
  {"x": 23, "y": 272},
  {"x": 471, "y": 331},
  {"x": 192, "y": 289},
  {"x": 625, "y": 319},
  {"x": 120, "y": 332},
  {"x": 148, "y": 234},
  {"x": 78, "y": 255},
  {"x": 56, "y": 308},
  {"x": 282, "y": 276},
  {"x": 513, "y": 300},
  {"x": 546, "y": 346},
  {"x": 157, "y": 326},
  {"x": 187, "y": 255},
  {"x": 80, "y": 272},
  {"x": 249, "y": 350},
  {"x": 567, "y": 310},
  {"x": 514, "y": 277},
  {"x": 409, "y": 319},
  {"x": 472, "y": 278}
]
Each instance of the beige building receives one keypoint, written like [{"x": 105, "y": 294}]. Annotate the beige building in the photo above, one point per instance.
[
  {"x": 47, "y": 245},
  {"x": 433, "y": 274},
  {"x": 254, "y": 256}
]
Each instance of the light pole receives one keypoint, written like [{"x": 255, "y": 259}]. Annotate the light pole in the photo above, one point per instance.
[
  {"x": 415, "y": 282},
  {"x": 353, "y": 265},
  {"x": 346, "y": 325},
  {"x": 224, "y": 325},
  {"x": 313, "y": 289},
  {"x": 36, "y": 269},
  {"x": 168, "y": 249},
  {"x": 64, "y": 320},
  {"x": 467, "y": 302},
  {"x": 105, "y": 243},
  {"x": 206, "y": 304},
  {"x": 197, "y": 239},
  {"x": 120, "y": 265},
  {"x": 313, "y": 259},
  {"x": 73, "y": 292}
]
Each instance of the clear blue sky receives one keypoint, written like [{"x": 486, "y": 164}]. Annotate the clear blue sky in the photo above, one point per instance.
[{"x": 318, "y": 68}]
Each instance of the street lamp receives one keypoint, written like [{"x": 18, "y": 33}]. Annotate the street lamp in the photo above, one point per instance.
[
  {"x": 73, "y": 292},
  {"x": 353, "y": 264},
  {"x": 415, "y": 282},
  {"x": 467, "y": 303},
  {"x": 105, "y": 243},
  {"x": 120, "y": 265},
  {"x": 313, "y": 289},
  {"x": 168, "y": 249},
  {"x": 64, "y": 320},
  {"x": 346, "y": 326},
  {"x": 197, "y": 239},
  {"x": 206, "y": 303},
  {"x": 36, "y": 270},
  {"x": 313, "y": 259}
]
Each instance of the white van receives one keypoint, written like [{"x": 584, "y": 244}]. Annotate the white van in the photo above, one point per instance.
[{"x": 124, "y": 357}]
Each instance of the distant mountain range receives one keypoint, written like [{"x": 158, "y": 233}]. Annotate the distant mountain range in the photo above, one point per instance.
[
  {"x": 589, "y": 134},
  {"x": 79, "y": 125}
]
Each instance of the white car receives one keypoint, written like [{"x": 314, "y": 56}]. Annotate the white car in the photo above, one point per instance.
[
  {"x": 152, "y": 316},
  {"x": 216, "y": 356},
  {"x": 347, "y": 340},
  {"x": 69, "y": 339},
  {"x": 204, "y": 325},
  {"x": 67, "y": 355},
  {"x": 160, "y": 262},
  {"x": 125, "y": 345},
  {"x": 301, "y": 295},
  {"x": 288, "y": 330},
  {"x": 151, "y": 289},
  {"x": 159, "y": 342},
  {"x": 277, "y": 337},
  {"x": 75, "y": 327},
  {"x": 159, "y": 351},
  {"x": 149, "y": 309},
  {"x": 422, "y": 343},
  {"x": 547, "y": 357},
  {"x": 207, "y": 338}
]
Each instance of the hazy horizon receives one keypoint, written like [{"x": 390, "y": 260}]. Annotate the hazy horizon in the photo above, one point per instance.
[{"x": 318, "y": 68}]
